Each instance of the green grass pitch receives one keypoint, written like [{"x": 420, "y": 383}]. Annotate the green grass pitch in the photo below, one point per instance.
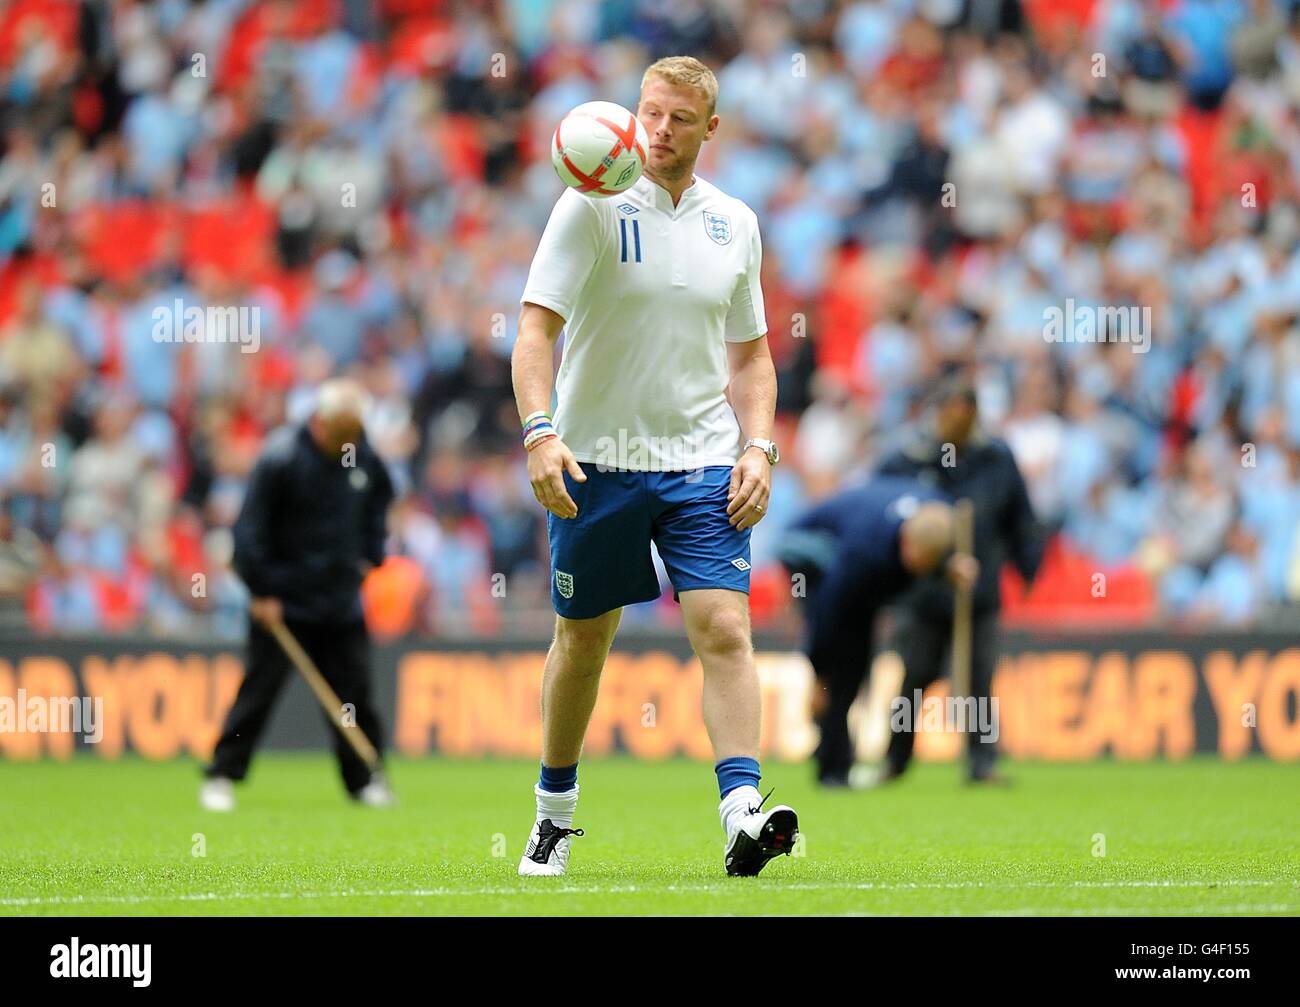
[{"x": 90, "y": 837}]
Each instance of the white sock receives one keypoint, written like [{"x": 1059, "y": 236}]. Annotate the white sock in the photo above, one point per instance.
[
  {"x": 559, "y": 808},
  {"x": 736, "y": 805}
]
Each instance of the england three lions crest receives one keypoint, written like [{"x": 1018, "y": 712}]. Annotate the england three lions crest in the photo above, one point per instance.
[{"x": 718, "y": 227}]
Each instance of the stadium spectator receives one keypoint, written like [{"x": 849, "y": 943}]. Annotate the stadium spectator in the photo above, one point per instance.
[{"x": 932, "y": 179}]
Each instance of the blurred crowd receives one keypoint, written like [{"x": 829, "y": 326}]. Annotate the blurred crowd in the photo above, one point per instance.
[{"x": 933, "y": 178}]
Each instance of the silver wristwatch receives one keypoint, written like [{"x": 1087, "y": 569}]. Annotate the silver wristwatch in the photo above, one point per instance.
[{"x": 767, "y": 447}]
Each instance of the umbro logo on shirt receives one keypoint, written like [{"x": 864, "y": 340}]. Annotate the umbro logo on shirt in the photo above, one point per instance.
[
  {"x": 626, "y": 207},
  {"x": 739, "y": 564}
]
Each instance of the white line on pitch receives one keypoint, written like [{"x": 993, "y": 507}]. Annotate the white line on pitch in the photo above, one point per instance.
[
  {"x": 1241, "y": 909},
  {"x": 572, "y": 889}
]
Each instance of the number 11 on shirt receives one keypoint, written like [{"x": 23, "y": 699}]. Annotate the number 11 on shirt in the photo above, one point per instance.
[{"x": 636, "y": 239}]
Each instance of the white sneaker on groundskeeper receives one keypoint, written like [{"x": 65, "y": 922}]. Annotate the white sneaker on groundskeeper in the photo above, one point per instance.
[
  {"x": 217, "y": 794},
  {"x": 376, "y": 793},
  {"x": 547, "y": 852}
]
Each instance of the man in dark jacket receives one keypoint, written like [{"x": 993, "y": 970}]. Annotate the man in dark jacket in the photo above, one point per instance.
[
  {"x": 959, "y": 460},
  {"x": 311, "y": 527},
  {"x": 859, "y": 550}
]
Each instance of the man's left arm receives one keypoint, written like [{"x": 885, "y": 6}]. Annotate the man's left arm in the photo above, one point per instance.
[
  {"x": 753, "y": 397},
  {"x": 1024, "y": 535},
  {"x": 752, "y": 389},
  {"x": 376, "y": 517}
]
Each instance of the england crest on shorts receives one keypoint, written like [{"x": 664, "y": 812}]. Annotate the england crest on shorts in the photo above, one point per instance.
[
  {"x": 718, "y": 226},
  {"x": 564, "y": 583}
]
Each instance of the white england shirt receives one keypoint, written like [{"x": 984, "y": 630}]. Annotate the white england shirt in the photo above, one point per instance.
[{"x": 650, "y": 294}]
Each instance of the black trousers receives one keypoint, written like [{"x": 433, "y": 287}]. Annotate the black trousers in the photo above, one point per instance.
[
  {"x": 925, "y": 643},
  {"x": 342, "y": 653},
  {"x": 840, "y": 671}
]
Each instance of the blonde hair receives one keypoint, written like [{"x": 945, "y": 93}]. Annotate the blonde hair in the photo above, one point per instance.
[{"x": 685, "y": 71}]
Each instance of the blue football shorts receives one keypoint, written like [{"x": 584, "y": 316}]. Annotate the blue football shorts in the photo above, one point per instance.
[{"x": 600, "y": 560}]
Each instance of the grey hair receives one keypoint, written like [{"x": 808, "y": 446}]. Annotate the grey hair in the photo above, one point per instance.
[{"x": 341, "y": 397}]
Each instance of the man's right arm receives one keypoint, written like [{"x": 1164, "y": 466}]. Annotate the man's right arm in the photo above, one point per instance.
[
  {"x": 566, "y": 255},
  {"x": 253, "y": 559},
  {"x": 532, "y": 371},
  {"x": 841, "y": 611}
]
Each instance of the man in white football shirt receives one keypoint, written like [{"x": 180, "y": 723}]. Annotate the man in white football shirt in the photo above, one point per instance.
[{"x": 666, "y": 397}]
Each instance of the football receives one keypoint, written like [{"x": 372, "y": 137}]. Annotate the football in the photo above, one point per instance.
[{"x": 599, "y": 149}]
